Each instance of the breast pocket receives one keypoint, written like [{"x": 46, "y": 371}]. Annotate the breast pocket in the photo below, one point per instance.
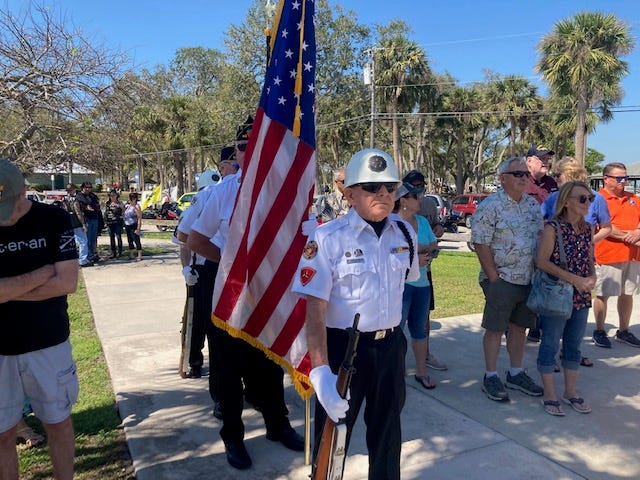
[
  {"x": 355, "y": 279},
  {"x": 399, "y": 264}
]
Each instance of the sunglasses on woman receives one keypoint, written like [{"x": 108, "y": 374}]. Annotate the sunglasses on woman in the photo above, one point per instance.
[
  {"x": 374, "y": 187},
  {"x": 584, "y": 198}
]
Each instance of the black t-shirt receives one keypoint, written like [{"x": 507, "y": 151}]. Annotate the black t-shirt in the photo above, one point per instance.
[
  {"x": 42, "y": 236},
  {"x": 86, "y": 200}
]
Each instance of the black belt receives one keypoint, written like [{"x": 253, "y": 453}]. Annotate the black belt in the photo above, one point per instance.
[{"x": 378, "y": 334}]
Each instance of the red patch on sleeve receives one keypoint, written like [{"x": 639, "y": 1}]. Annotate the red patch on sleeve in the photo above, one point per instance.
[{"x": 306, "y": 274}]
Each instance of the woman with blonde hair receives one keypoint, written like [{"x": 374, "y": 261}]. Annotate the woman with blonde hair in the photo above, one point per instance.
[{"x": 575, "y": 266}]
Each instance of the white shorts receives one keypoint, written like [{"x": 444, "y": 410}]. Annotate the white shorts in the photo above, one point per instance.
[
  {"x": 618, "y": 279},
  {"x": 47, "y": 377}
]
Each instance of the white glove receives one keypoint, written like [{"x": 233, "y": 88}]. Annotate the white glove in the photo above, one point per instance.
[
  {"x": 324, "y": 383},
  {"x": 190, "y": 275},
  {"x": 309, "y": 226}
]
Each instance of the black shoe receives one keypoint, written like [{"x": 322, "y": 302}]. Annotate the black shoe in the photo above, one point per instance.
[
  {"x": 237, "y": 455},
  {"x": 533, "y": 336},
  {"x": 289, "y": 438},
  {"x": 88, "y": 264},
  {"x": 217, "y": 411},
  {"x": 194, "y": 372}
]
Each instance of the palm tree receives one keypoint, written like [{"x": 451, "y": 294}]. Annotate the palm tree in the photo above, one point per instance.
[
  {"x": 580, "y": 59},
  {"x": 513, "y": 97}
]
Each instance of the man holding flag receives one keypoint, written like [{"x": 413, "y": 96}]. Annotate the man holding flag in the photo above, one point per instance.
[
  {"x": 236, "y": 360},
  {"x": 252, "y": 299}
]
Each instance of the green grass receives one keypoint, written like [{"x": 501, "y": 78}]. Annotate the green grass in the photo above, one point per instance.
[
  {"x": 101, "y": 449},
  {"x": 455, "y": 284}
]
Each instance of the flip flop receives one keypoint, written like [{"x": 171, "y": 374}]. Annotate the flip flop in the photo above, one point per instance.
[
  {"x": 586, "y": 362},
  {"x": 425, "y": 382},
  {"x": 577, "y": 403},
  {"x": 549, "y": 406}
]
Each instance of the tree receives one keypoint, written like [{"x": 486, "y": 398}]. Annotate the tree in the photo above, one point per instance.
[
  {"x": 580, "y": 59},
  {"x": 49, "y": 75}
]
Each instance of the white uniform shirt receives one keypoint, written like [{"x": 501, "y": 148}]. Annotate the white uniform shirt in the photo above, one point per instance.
[
  {"x": 357, "y": 272},
  {"x": 213, "y": 222}
]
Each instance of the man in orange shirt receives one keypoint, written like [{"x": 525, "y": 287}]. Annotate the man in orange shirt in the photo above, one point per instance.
[{"x": 618, "y": 257}]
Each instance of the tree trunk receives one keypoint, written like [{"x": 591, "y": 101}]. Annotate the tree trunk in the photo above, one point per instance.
[{"x": 580, "y": 139}]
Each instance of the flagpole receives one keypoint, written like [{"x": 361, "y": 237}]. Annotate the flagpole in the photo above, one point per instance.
[{"x": 307, "y": 431}]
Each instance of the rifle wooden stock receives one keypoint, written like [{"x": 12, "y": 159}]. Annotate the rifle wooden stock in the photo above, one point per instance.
[{"x": 329, "y": 461}]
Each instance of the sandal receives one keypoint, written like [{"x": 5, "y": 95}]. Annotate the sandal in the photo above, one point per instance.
[
  {"x": 25, "y": 433},
  {"x": 586, "y": 362},
  {"x": 577, "y": 403},
  {"x": 553, "y": 407},
  {"x": 425, "y": 382}
]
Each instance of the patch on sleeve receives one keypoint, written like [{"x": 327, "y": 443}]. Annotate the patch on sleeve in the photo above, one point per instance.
[
  {"x": 306, "y": 274},
  {"x": 310, "y": 250}
]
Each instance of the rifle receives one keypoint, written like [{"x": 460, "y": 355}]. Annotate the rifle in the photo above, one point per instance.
[
  {"x": 185, "y": 333},
  {"x": 329, "y": 461}
]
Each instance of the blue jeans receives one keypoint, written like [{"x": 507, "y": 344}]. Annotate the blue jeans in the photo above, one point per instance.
[
  {"x": 81, "y": 240},
  {"x": 571, "y": 331},
  {"x": 92, "y": 235},
  {"x": 415, "y": 308}
]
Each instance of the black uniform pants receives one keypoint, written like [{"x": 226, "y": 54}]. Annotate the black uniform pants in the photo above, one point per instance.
[
  {"x": 378, "y": 380},
  {"x": 238, "y": 361},
  {"x": 202, "y": 295}
]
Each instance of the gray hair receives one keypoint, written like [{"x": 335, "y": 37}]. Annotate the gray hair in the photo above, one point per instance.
[
  {"x": 504, "y": 166},
  {"x": 338, "y": 172}
]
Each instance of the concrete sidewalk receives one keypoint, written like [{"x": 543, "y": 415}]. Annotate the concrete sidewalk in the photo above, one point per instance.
[{"x": 453, "y": 431}]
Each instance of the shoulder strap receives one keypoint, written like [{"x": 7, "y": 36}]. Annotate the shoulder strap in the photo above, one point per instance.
[
  {"x": 407, "y": 236},
  {"x": 563, "y": 255}
]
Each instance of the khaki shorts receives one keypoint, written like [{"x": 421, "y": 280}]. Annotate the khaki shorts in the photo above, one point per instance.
[
  {"x": 506, "y": 303},
  {"x": 47, "y": 377},
  {"x": 618, "y": 279}
]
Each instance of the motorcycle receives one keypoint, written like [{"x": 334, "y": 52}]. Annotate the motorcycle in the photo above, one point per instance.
[
  {"x": 450, "y": 222},
  {"x": 168, "y": 211}
]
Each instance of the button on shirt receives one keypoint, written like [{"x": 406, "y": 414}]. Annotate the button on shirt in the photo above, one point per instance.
[
  {"x": 214, "y": 220},
  {"x": 347, "y": 265},
  {"x": 512, "y": 230}
]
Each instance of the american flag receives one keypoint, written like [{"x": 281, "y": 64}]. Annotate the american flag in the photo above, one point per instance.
[{"x": 252, "y": 297}]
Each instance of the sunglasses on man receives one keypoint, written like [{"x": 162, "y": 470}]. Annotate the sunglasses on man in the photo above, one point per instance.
[
  {"x": 622, "y": 178},
  {"x": 518, "y": 173},
  {"x": 374, "y": 187},
  {"x": 241, "y": 146}
]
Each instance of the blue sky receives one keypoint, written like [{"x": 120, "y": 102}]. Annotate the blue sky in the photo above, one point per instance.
[{"x": 463, "y": 37}]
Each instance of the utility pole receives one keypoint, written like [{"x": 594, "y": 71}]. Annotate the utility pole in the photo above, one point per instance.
[{"x": 370, "y": 79}]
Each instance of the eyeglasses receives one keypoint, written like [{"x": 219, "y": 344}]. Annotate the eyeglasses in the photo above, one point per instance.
[
  {"x": 241, "y": 146},
  {"x": 374, "y": 187},
  {"x": 584, "y": 198},
  {"x": 518, "y": 173},
  {"x": 622, "y": 178}
]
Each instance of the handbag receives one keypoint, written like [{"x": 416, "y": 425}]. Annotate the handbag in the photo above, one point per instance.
[{"x": 551, "y": 296}]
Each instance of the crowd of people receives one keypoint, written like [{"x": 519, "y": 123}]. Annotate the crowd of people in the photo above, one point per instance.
[{"x": 378, "y": 233}]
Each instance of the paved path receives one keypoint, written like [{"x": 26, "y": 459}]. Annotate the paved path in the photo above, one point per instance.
[{"x": 453, "y": 431}]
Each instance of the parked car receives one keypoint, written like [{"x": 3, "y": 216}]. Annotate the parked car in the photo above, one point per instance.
[
  {"x": 442, "y": 205},
  {"x": 35, "y": 196},
  {"x": 466, "y": 205},
  {"x": 184, "y": 201}
]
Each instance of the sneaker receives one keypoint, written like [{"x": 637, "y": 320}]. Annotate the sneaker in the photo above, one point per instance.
[
  {"x": 533, "y": 336},
  {"x": 432, "y": 362},
  {"x": 524, "y": 383},
  {"x": 625, "y": 336},
  {"x": 494, "y": 389},
  {"x": 600, "y": 339}
]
